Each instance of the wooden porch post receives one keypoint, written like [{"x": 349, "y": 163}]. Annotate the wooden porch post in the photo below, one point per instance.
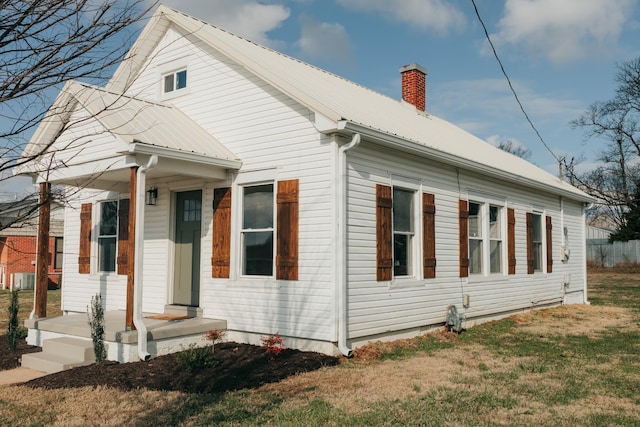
[
  {"x": 131, "y": 255},
  {"x": 42, "y": 251}
]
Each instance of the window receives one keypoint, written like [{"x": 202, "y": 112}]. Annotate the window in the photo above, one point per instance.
[
  {"x": 175, "y": 81},
  {"x": 257, "y": 230},
  {"x": 536, "y": 242},
  {"x": 397, "y": 245},
  {"x": 107, "y": 236},
  {"x": 57, "y": 256},
  {"x": 485, "y": 238},
  {"x": 403, "y": 232}
]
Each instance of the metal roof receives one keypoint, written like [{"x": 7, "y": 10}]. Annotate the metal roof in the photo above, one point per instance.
[
  {"x": 339, "y": 99},
  {"x": 137, "y": 121}
]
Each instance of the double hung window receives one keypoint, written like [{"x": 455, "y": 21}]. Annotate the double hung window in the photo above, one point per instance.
[
  {"x": 107, "y": 235},
  {"x": 485, "y": 238},
  {"x": 403, "y": 232},
  {"x": 257, "y": 230},
  {"x": 536, "y": 241}
]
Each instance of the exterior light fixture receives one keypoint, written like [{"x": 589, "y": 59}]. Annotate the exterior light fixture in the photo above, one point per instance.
[{"x": 152, "y": 196}]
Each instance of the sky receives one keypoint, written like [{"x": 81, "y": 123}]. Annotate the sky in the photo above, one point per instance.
[{"x": 560, "y": 56}]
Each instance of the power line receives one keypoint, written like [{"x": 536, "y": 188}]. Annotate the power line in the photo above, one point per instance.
[{"x": 504, "y": 72}]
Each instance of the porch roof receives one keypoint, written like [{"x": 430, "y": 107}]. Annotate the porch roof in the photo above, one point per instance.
[{"x": 140, "y": 127}]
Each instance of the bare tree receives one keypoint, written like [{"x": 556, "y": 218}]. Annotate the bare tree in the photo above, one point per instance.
[
  {"x": 514, "y": 148},
  {"x": 617, "y": 122},
  {"x": 44, "y": 43}
]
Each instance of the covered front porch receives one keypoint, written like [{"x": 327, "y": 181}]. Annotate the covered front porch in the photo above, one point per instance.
[{"x": 165, "y": 333}]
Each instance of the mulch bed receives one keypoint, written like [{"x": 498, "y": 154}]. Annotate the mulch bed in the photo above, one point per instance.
[
  {"x": 11, "y": 359},
  {"x": 237, "y": 366}
]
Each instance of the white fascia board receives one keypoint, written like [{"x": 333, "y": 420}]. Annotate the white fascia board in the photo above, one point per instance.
[
  {"x": 413, "y": 147},
  {"x": 142, "y": 148}
]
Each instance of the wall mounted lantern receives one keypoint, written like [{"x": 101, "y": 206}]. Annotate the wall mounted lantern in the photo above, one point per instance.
[{"x": 152, "y": 196}]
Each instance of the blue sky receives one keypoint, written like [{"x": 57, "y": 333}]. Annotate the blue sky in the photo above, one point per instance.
[{"x": 561, "y": 56}]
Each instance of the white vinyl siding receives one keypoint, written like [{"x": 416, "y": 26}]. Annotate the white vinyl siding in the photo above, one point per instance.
[
  {"x": 268, "y": 131},
  {"x": 378, "y": 309}
]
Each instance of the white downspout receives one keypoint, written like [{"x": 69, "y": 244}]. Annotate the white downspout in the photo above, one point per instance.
[
  {"x": 341, "y": 258},
  {"x": 138, "y": 264}
]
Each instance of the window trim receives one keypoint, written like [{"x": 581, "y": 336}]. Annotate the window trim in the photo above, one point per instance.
[
  {"x": 175, "y": 88},
  {"x": 414, "y": 254},
  {"x": 546, "y": 241},
  {"x": 485, "y": 205},
  {"x": 241, "y": 230},
  {"x": 58, "y": 249}
]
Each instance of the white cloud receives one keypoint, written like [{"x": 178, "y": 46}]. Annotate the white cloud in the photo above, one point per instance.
[
  {"x": 324, "y": 40},
  {"x": 563, "y": 31},
  {"x": 247, "y": 18},
  {"x": 438, "y": 15},
  {"x": 492, "y": 98}
]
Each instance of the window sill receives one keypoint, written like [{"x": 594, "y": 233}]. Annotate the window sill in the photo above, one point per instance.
[{"x": 406, "y": 282}]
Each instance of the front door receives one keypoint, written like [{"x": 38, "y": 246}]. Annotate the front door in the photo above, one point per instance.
[{"x": 186, "y": 280}]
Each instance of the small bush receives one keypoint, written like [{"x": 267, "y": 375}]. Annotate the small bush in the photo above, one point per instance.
[
  {"x": 195, "y": 358},
  {"x": 273, "y": 345},
  {"x": 13, "y": 326},
  {"x": 96, "y": 323},
  {"x": 214, "y": 335}
]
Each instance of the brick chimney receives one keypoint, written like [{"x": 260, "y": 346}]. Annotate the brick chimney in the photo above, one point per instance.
[{"x": 414, "y": 85}]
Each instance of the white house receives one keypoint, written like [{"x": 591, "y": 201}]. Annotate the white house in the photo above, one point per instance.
[{"x": 287, "y": 199}]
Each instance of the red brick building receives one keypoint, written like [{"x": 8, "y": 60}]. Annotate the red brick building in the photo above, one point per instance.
[{"x": 18, "y": 244}]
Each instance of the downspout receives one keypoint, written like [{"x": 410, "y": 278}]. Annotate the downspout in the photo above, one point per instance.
[
  {"x": 139, "y": 251},
  {"x": 341, "y": 258}
]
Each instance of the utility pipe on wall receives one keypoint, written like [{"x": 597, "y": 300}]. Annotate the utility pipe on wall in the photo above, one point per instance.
[
  {"x": 138, "y": 320},
  {"x": 341, "y": 258}
]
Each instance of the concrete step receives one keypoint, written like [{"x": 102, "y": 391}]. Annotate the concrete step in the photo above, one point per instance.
[
  {"x": 60, "y": 354},
  {"x": 72, "y": 348},
  {"x": 183, "y": 310}
]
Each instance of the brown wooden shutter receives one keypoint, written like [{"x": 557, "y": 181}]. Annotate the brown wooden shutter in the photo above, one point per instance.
[
  {"x": 429, "y": 235},
  {"x": 549, "y": 246},
  {"x": 384, "y": 233},
  {"x": 84, "y": 254},
  {"x": 463, "y": 225},
  {"x": 287, "y": 238},
  {"x": 530, "y": 266},
  {"x": 123, "y": 237},
  {"x": 221, "y": 252},
  {"x": 511, "y": 240}
]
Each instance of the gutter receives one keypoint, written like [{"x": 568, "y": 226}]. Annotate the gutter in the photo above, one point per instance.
[
  {"x": 139, "y": 251},
  {"x": 341, "y": 253}
]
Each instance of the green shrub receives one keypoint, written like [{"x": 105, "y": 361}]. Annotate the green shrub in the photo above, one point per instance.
[
  {"x": 13, "y": 327},
  {"x": 96, "y": 323},
  {"x": 195, "y": 358}
]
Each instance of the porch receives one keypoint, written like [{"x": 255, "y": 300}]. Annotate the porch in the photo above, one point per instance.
[{"x": 166, "y": 333}]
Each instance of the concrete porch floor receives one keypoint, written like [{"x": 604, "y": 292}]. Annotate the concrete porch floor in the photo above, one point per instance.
[{"x": 163, "y": 336}]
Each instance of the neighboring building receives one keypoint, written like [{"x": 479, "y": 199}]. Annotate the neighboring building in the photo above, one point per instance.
[
  {"x": 283, "y": 198},
  {"x": 18, "y": 244}
]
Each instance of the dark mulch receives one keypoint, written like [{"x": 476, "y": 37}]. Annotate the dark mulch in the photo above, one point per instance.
[
  {"x": 237, "y": 366},
  {"x": 11, "y": 359}
]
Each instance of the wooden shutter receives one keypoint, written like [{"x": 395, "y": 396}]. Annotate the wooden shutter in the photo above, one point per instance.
[
  {"x": 123, "y": 237},
  {"x": 429, "y": 235},
  {"x": 287, "y": 238},
  {"x": 511, "y": 240},
  {"x": 384, "y": 233},
  {"x": 221, "y": 252},
  {"x": 84, "y": 254},
  {"x": 549, "y": 246},
  {"x": 530, "y": 266},
  {"x": 463, "y": 226}
]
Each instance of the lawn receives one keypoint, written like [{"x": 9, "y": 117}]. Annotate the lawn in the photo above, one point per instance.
[{"x": 566, "y": 366}]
